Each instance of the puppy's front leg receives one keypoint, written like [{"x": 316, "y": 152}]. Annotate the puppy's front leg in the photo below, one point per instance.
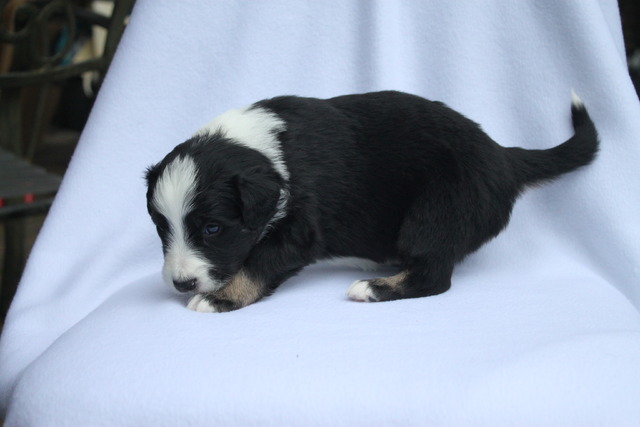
[{"x": 241, "y": 291}]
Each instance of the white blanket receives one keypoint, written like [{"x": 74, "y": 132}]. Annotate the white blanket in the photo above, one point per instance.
[{"x": 541, "y": 326}]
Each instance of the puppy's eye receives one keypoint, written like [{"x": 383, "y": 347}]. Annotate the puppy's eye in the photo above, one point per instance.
[{"x": 211, "y": 229}]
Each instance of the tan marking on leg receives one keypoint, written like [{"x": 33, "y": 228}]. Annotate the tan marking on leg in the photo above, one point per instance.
[
  {"x": 394, "y": 282},
  {"x": 241, "y": 290}
]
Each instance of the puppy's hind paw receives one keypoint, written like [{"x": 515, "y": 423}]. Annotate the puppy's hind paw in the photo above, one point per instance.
[
  {"x": 200, "y": 304},
  {"x": 361, "y": 291}
]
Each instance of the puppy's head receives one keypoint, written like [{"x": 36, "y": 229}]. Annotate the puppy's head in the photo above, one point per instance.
[{"x": 211, "y": 201}]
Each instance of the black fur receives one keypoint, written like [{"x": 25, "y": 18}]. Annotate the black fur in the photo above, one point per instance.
[{"x": 383, "y": 176}]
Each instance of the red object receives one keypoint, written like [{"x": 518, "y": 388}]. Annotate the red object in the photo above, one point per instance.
[
  {"x": 29, "y": 198},
  {"x": 1, "y": 202}
]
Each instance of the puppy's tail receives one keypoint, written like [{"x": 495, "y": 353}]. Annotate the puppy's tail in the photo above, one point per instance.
[{"x": 533, "y": 166}]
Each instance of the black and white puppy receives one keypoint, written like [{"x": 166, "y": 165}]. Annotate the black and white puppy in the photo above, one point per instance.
[{"x": 260, "y": 192}]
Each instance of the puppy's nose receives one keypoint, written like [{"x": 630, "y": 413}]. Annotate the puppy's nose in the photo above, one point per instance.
[{"x": 185, "y": 285}]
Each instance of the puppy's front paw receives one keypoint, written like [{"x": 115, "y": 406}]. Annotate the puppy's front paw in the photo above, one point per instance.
[
  {"x": 201, "y": 304},
  {"x": 361, "y": 291},
  {"x": 239, "y": 292}
]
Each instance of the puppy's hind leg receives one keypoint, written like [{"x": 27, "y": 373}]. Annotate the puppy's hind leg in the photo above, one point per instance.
[
  {"x": 380, "y": 289},
  {"x": 429, "y": 244},
  {"x": 428, "y": 277}
]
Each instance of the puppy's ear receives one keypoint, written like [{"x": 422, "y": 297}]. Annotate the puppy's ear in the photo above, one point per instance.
[{"x": 259, "y": 192}]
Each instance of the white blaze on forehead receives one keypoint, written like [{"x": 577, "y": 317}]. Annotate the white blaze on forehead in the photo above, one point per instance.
[
  {"x": 173, "y": 197},
  {"x": 175, "y": 191},
  {"x": 254, "y": 128}
]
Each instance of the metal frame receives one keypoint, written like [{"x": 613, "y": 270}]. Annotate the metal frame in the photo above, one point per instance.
[
  {"x": 29, "y": 63},
  {"x": 44, "y": 69}
]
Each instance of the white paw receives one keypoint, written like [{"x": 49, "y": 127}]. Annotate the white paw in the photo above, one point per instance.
[
  {"x": 200, "y": 304},
  {"x": 361, "y": 291}
]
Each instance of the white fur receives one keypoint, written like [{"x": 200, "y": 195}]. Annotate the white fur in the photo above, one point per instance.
[
  {"x": 254, "y": 128},
  {"x": 361, "y": 291},
  {"x": 281, "y": 212},
  {"x": 174, "y": 195},
  {"x": 200, "y": 304},
  {"x": 575, "y": 100}
]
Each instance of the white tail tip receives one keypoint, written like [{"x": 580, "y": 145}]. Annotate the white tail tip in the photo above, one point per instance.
[{"x": 575, "y": 100}]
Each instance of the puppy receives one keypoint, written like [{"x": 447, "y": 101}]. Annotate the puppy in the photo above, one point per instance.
[{"x": 260, "y": 192}]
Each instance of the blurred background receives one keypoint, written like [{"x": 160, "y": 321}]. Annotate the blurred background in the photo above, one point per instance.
[{"x": 53, "y": 57}]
